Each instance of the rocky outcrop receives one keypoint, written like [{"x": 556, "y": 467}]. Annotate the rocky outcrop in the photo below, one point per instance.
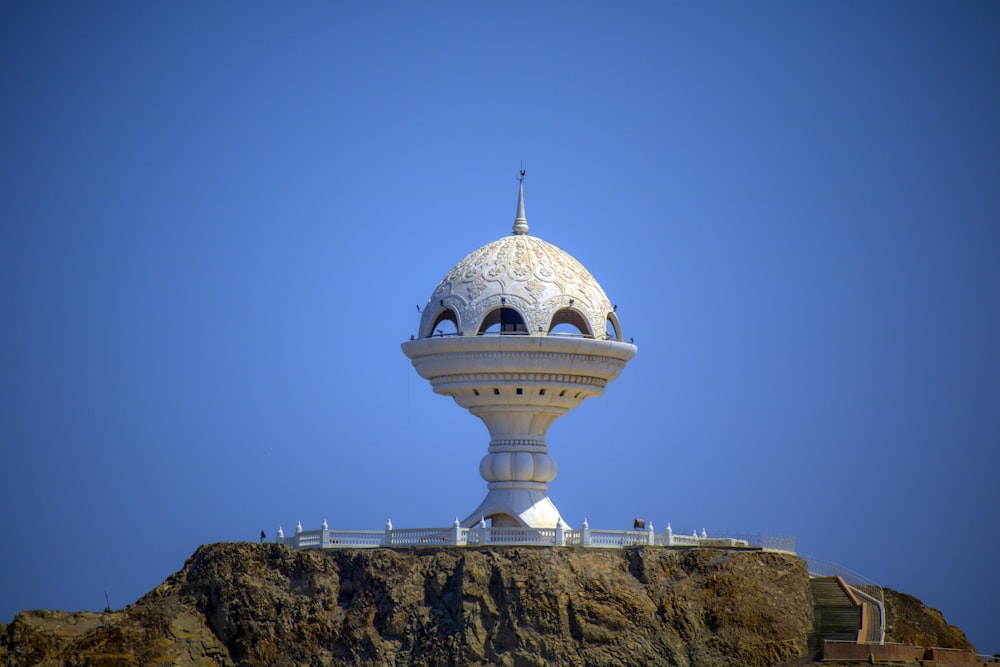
[
  {"x": 909, "y": 621},
  {"x": 250, "y": 604}
]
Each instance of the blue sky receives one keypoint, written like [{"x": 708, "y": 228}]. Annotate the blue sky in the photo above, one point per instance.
[{"x": 215, "y": 223}]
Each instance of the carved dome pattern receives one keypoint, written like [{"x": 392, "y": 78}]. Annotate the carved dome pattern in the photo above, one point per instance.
[{"x": 525, "y": 273}]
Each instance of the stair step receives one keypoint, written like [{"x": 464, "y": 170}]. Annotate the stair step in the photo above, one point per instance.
[{"x": 835, "y": 615}]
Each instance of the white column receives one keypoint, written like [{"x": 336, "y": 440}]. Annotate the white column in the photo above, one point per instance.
[{"x": 324, "y": 534}]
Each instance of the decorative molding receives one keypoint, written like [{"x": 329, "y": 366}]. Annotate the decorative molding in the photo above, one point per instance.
[
  {"x": 507, "y": 378},
  {"x": 530, "y": 357}
]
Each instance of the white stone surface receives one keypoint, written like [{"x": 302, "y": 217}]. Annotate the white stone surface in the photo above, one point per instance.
[
  {"x": 520, "y": 381},
  {"x": 518, "y": 386},
  {"x": 539, "y": 281},
  {"x": 479, "y": 534},
  {"x": 543, "y": 284}
]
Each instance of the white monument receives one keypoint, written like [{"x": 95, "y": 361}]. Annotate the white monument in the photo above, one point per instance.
[{"x": 510, "y": 361}]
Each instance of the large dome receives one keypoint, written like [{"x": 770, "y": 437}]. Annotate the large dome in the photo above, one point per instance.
[
  {"x": 543, "y": 285},
  {"x": 520, "y": 284}
]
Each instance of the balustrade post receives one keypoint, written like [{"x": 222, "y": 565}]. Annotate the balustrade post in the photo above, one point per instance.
[
  {"x": 482, "y": 536},
  {"x": 456, "y": 536},
  {"x": 560, "y": 533},
  {"x": 298, "y": 534},
  {"x": 650, "y": 538},
  {"x": 585, "y": 533},
  {"x": 280, "y": 536},
  {"x": 324, "y": 534},
  {"x": 387, "y": 540},
  {"x": 670, "y": 535}
]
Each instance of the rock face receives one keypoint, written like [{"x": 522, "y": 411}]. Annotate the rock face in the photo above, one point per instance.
[
  {"x": 910, "y": 622},
  {"x": 250, "y": 604}
]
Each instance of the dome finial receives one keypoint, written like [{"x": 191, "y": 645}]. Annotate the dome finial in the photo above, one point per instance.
[{"x": 520, "y": 222}]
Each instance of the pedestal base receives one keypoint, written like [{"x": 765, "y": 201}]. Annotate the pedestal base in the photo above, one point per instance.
[
  {"x": 518, "y": 385},
  {"x": 515, "y": 507}
]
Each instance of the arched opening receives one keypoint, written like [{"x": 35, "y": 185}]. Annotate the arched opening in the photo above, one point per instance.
[
  {"x": 445, "y": 324},
  {"x": 503, "y": 320},
  {"x": 612, "y": 330},
  {"x": 568, "y": 322}
]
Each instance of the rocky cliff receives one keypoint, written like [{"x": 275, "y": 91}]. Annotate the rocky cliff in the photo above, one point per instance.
[{"x": 250, "y": 604}]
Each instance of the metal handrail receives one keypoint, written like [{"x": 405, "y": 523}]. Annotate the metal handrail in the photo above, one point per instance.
[
  {"x": 881, "y": 609},
  {"x": 854, "y": 580}
]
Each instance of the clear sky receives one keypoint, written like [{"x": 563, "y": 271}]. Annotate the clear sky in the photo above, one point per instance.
[{"x": 216, "y": 222}]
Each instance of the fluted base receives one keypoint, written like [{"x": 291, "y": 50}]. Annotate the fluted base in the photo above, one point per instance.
[{"x": 515, "y": 505}]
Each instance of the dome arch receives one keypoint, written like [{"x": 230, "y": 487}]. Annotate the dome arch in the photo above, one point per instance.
[
  {"x": 572, "y": 317},
  {"x": 509, "y": 318},
  {"x": 613, "y": 328},
  {"x": 444, "y": 314}
]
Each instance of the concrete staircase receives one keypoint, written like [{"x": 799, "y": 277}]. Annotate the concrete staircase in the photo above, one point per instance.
[{"x": 837, "y": 614}]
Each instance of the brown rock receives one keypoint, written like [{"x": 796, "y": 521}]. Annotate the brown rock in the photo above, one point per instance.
[
  {"x": 264, "y": 604},
  {"x": 908, "y": 621}
]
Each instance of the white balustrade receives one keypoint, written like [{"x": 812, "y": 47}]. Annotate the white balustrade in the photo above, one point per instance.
[{"x": 486, "y": 535}]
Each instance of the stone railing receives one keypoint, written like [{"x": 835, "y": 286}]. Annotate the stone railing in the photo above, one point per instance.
[{"x": 456, "y": 535}]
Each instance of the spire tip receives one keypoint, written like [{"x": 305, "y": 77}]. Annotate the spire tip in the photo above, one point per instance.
[{"x": 520, "y": 221}]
